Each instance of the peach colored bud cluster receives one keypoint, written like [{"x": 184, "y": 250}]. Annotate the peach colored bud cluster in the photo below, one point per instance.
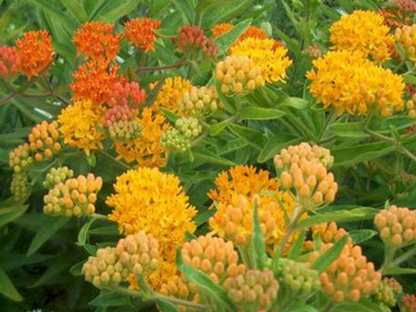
[
  {"x": 387, "y": 292},
  {"x": 75, "y": 197},
  {"x": 128, "y": 93},
  {"x": 191, "y": 37},
  {"x": 121, "y": 123},
  {"x": 411, "y": 107},
  {"x": 43, "y": 140},
  {"x": 179, "y": 287},
  {"x": 405, "y": 6},
  {"x": 297, "y": 276},
  {"x": 408, "y": 303},
  {"x": 20, "y": 158},
  {"x": 199, "y": 102},
  {"x": 313, "y": 51},
  {"x": 56, "y": 176},
  {"x": 349, "y": 277},
  {"x": 238, "y": 74},
  {"x": 213, "y": 256},
  {"x": 20, "y": 186},
  {"x": 328, "y": 232},
  {"x": 397, "y": 226},
  {"x": 136, "y": 254},
  {"x": 180, "y": 138},
  {"x": 9, "y": 62},
  {"x": 253, "y": 290},
  {"x": 406, "y": 37},
  {"x": 304, "y": 170}
]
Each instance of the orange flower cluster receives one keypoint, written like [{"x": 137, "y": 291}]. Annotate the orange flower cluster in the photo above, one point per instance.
[
  {"x": 43, "y": 140},
  {"x": 128, "y": 93},
  {"x": 191, "y": 37},
  {"x": 179, "y": 287},
  {"x": 141, "y": 33},
  {"x": 328, "y": 232},
  {"x": 36, "y": 52},
  {"x": 97, "y": 41},
  {"x": 10, "y": 62}
]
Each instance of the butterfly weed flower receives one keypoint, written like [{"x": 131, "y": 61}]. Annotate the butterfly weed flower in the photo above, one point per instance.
[
  {"x": 172, "y": 90},
  {"x": 10, "y": 62},
  {"x": 122, "y": 124},
  {"x": 57, "y": 175},
  {"x": 141, "y": 33},
  {"x": 200, "y": 102}
]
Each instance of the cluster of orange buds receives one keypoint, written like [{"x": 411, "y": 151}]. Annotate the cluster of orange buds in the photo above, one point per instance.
[
  {"x": 192, "y": 37},
  {"x": 253, "y": 290},
  {"x": 43, "y": 140},
  {"x": 121, "y": 123},
  {"x": 411, "y": 107},
  {"x": 238, "y": 74},
  {"x": 388, "y": 292},
  {"x": 304, "y": 170},
  {"x": 180, "y": 288},
  {"x": 213, "y": 256},
  {"x": 128, "y": 93},
  {"x": 141, "y": 32},
  {"x": 297, "y": 277},
  {"x": 328, "y": 232},
  {"x": 349, "y": 277},
  {"x": 76, "y": 197},
  {"x": 406, "y": 37},
  {"x": 20, "y": 186},
  {"x": 200, "y": 102},
  {"x": 397, "y": 226},
  {"x": 134, "y": 255},
  {"x": 20, "y": 158},
  {"x": 9, "y": 62},
  {"x": 313, "y": 51},
  {"x": 408, "y": 303},
  {"x": 404, "y": 6},
  {"x": 56, "y": 176},
  {"x": 180, "y": 138}
]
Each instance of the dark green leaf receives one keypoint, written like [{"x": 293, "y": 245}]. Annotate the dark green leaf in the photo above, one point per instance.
[
  {"x": 297, "y": 246},
  {"x": 75, "y": 9},
  {"x": 253, "y": 137},
  {"x": 7, "y": 288},
  {"x": 110, "y": 299},
  {"x": 358, "y": 153},
  {"x": 258, "y": 113},
  {"x": 165, "y": 306},
  {"x": 359, "y": 236},
  {"x": 11, "y": 213},
  {"x": 274, "y": 145},
  {"x": 329, "y": 256}
]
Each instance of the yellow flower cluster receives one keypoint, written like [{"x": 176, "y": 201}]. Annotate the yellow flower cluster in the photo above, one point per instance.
[
  {"x": 171, "y": 92},
  {"x": 199, "y": 102},
  {"x": 77, "y": 124},
  {"x": 273, "y": 61},
  {"x": 406, "y": 37},
  {"x": 350, "y": 82},
  {"x": 43, "y": 140},
  {"x": 363, "y": 31}
]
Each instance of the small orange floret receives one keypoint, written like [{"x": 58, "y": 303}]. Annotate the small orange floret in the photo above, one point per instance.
[
  {"x": 140, "y": 32},
  {"x": 36, "y": 51}
]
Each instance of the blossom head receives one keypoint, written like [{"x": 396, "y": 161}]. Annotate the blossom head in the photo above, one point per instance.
[
  {"x": 200, "y": 102},
  {"x": 363, "y": 31},
  {"x": 44, "y": 140},
  {"x": 10, "y": 63},
  {"x": 96, "y": 41},
  {"x": 122, "y": 124},
  {"x": 36, "y": 52},
  {"x": 127, "y": 93},
  {"x": 171, "y": 92},
  {"x": 141, "y": 33},
  {"x": 191, "y": 38},
  {"x": 179, "y": 287}
]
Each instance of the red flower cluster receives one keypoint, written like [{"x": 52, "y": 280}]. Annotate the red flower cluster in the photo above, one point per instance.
[{"x": 191, "y": 37}]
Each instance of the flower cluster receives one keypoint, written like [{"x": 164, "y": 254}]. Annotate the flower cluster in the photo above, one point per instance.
[
  {"x": 121, "y": 123},
  {"x": 171, "y": 92},
  {"x": 350, "y": 82},
  {"x": 313, "y": 51},
  {"x": 163, "y": 212},
  {"x": 97, "y": 42},
  {"x": 10, "y": 63},
  {"x": 363, "y": 31},
  {"x": 213, "y": 256},
  {"x": 388, "y": 292},
  {"x": 297, "y": 277},
  {"x": 36, "y": 52},
  {"x": 253, "y": 290},
  {"x": 191, "y": 38},
  {"x": 199, "y": 102},
  {"x": 56, "y": 176},
  {"x": 328, "y": 232},
  {"x": 404, "y": 6},
  {"x": 349, "y": 277},
  {"x": 43, "y": 140},
  {"x": 20, "y": 186},
  {"x": 304, "y": 171},
  {"x": 128, "y": 93},
  {"x": 77, "y": 124},
  {"x": 141, "y": 33},
  {"x": 408, "y": 303},
  {"x": 134, "y": 255},
  {"x": 411, "y": 107},
  {"x": 397, "y": 226},
  {"x": 406, "y": 37},
  {"x": 238, "y": 74},
  {"x": 20, "y": 158},
  {"x": 273, "y": 61},
  {"x": 73, "y": 197},
  {"x": 180, "y": 138},
  {"x": 179, "y": 287}
]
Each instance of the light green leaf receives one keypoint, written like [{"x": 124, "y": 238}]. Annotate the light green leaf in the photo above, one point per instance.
[
  {"x": 399, "y": 271},
  {"x": 295, "y": 102},
  {"x": 75, "y": 9},
  {"x": 185, "y": 7},
  {"x": 259, "y": 113},
  {"x": 347, "y": 156},
  {"x": 212, "y": 159},
  {"x": 225, "y": 41},
  {"x": 359, "y": 236},
  {"x": 274, "y": 145},
  {"x": 297, "y": 246},
  {"x": 121, "y": 10},
  {"x": 348, "y": 130},
  {"x": 83, "y": 233},
  {"x": 258, "y": 241},
  {"x": 7, "y": 288},
  {"x": 329, "y": 256},
  {"x": 165, "y": 306}
]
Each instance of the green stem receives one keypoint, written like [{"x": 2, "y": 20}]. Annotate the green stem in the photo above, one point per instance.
[
  {"x": 108, "y": 156},
  {"x": 388, "y": 258},
  {"x": 331, "y": 118},
  {"x": 154, "y": 68},
  {"x": 404, "y": 257},
  {"x": 98, "y": 216},
  {"x": 328, "y": 307},
  {"x": 291, "y": 228},
  {"x": 8, "y": 97}
]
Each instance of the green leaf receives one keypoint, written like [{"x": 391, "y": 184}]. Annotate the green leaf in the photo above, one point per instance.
[
  {"x": 348, "y": 130},
  {"x": 274, "y": 145},
  {"x": 258, "y": 113},
  {"x": 171, "y": 116},
  {"x": 357, "y": 214},
  {"x": 83, "y": 233},
  {"x": 359, "y": 236},
  {"x": 409, "y": 79},
  {"x": 295, "y": 102},
  {"x": 110, "y": 299},
  {"x": 165, "y": 306},
  {"x": 75, "y": 9},
  {"x": 119, "y": 11},
  {"x": 297, "y": 246},
  {"x": 187, "y": 11},
  {"x": 303, "y": 308},
  {"x": 212, "y": 159},
  {"x": 54, "y": 269},
  {"x": 359, "y": 153},
  {"x": 76, "y": 269},
  {"x": 329, "y": 256},
  {"x": 48, "y": 229},
  {"x": 258, "y": 242},
  {"x": 365, "y": 305},
  {"x": 11, "y": 213},
  {"x": 225, "y": 41},
  {"x": 217, "y": 128},
  {"x": 105, "y": 230},
  {"x": 253, "y": 137},
  {"x": 223, "y": 12},
  {"x": 399, "y": 271},
  {"x": 7, "y": 288}
]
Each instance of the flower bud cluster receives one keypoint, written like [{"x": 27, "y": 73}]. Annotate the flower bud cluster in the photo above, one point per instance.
[
  {"x": 179, "y": 287},
  {"x": 199, "y": 102},
  {"x": 404, "y": 6},
  {"x": 238, "y": 74},
  {"x": 406, "y": 37},
  {"x": 253, "y": 290},
  {"x": 56, "y": 176},
  {"x": 43, "y": 140},
  {"x": 9, "y": 62},
  {"x": 313, "y": 51},
  {"x": 128, "y": 93},
  {"x": 213, "y": 256},
  {"x": 397, "y": 226},
  {"x": 408, "y": 303},
  {"x": 180, "y": 138},
  {"x": 20, "y": 158},
  {"x": 304, "y": 169},
  {"x": 74, "y": 197},
  {"x": 349, "y": 277},
  {"x": 387, "y": 292},
  {"x": 121, "y": 123},
  {"x": 136, "y": 254},
  {"x": 297, "y": 276},
  {"x": 191, "y": 38},
  {"x": 328, "y": 232},
  {"x": 20, "y": 186},
  {"x": 411, "y": 107}
]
